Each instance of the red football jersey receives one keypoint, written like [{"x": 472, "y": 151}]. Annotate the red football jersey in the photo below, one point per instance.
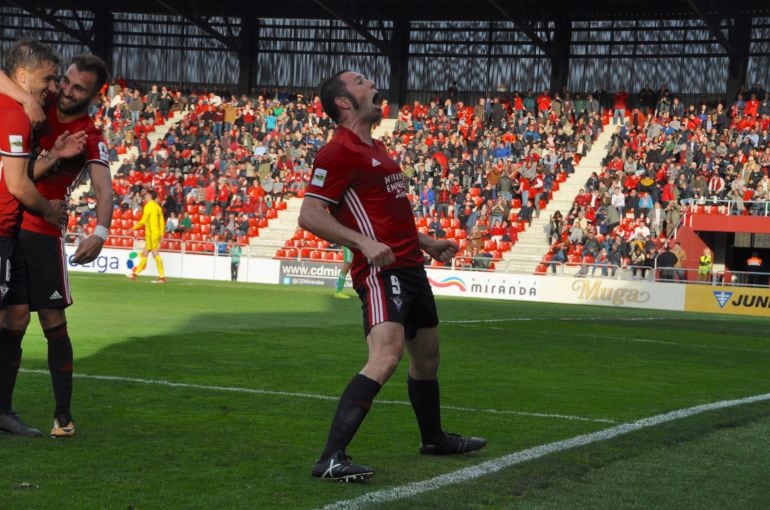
[
  {"x": 59, "y": 182},
  {"x": 15, "y": 134},
  {"x": 368, "y": 193}
]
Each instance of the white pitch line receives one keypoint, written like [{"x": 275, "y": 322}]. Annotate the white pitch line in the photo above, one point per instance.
[
  {"x": 563, "y": 319},
  {"x": 253, "y": 391},
  {"x": 664, "y": 342},
  {"x": 512, "y": 459}
]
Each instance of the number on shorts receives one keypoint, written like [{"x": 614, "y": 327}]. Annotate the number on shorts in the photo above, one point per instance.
[{"x": 395, "y": 285}]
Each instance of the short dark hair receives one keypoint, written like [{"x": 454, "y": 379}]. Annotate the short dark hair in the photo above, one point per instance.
[
  {"x": 331, "y": 89},
  {"x": 89, "y": 63},
  {"x": 152, "y": 193},
  {"x": 29, "y": 54}
]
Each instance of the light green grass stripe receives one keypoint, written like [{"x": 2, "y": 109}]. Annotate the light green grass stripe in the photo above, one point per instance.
[
  {"x": 494, "y": 465},
  {"x": 253, "y": 391}
]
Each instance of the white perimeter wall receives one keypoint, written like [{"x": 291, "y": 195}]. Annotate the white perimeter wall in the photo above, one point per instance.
[{"x": 467, "y": 284}]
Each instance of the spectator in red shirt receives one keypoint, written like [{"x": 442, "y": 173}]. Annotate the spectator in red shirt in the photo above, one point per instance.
[
  {"x": 543, "y": 104},
  {"x": 620, "y": 99}
]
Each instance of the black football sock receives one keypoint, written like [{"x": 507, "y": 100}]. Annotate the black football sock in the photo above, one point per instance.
[
  {"x": 10, "y": 360},
  {"x": 351, "y": 411},
  {"x": 60, "y": 366},
  {"x": 424, "y": 396}
]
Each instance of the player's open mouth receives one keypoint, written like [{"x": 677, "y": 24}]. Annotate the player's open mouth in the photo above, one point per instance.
[{"x": 377, "y": 99}]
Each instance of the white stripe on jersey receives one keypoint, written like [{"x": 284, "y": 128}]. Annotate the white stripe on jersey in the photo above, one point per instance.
[
  {"x": 65, "y": 273},
  {"x": 325, "y": 199},
  {"x": 377, "y": 310}
]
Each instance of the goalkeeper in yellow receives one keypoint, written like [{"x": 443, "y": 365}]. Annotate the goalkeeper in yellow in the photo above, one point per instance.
[{"x": 153, "y": 222}]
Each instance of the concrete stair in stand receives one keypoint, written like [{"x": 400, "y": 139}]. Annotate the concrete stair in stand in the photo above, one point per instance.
[
  {"x": 278, "y": 231},
  {"x": 532, "y": 244}
]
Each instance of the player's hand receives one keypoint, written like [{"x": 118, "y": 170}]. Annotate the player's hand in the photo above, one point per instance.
[
  {"x": 442, "y": 250},
  {"x": 35, "y": 112},
  {"x": 57, "y": 213},
  {"x": 377, "y": 253},
  {"x": 88, "y": 249},
  {"x": 69, "y": 145}
]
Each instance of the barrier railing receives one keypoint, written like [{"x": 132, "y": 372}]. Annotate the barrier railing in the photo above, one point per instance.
[{"x": 729, "y": 207}]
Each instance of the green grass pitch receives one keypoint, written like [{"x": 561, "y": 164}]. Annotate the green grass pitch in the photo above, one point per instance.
[{"x": 198, "y": 395}]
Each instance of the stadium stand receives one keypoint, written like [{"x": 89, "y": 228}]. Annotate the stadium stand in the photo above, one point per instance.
[{"x": 489, "y": 176}]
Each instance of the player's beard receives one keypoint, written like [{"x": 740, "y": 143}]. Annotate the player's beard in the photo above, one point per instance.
[
  {"x": 374, "y": 114},
  {"x": 71, "y": 107}
]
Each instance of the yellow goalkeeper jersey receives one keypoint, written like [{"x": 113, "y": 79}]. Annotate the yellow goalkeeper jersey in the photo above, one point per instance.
[{"x": 152, "y": 220}]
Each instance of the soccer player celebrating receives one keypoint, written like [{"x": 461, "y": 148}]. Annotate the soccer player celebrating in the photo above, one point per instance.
[
  {"x": 32, "y": 67},
  {"x": 40, "y": 282},
  {"x": 356, "y": 181},
  {"x": 153, "y": 222}
]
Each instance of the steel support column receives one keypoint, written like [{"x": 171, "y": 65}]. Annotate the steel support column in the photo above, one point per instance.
[
  {"x": 398, "y": 55},
  {"x": 103, "y": 36},
  {"x": 248, "y": 53},
  {"x": 740, "y": 40},
  {"x": 560, "y": 55}
]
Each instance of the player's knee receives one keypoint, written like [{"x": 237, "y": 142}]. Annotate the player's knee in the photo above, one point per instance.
[
  {"x": 17, "y": 318},
  {"x": 381, "y": 365},
  {"x": 426, "y": 366},
  {"x": 51, "y": 318}
]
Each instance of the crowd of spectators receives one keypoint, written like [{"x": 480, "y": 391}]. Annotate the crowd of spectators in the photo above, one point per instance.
[
  {"x": 666, "y": 160},
  {"x": 476, "y": 173}
]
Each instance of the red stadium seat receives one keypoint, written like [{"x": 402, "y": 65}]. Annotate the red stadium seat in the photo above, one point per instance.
[{"x": 329, "y": 255}]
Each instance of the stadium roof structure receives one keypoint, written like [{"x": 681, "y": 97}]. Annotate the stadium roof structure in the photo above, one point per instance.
[
  {"x": 424, "y": 10},
  {"x": 545, "y": 25}
]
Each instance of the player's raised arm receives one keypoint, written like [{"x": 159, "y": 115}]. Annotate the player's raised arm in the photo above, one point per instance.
[
  {"x": 90, "y": 247},
  {"x": 66, "y": 146}
]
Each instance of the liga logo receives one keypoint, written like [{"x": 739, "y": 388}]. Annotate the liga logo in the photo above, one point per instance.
[
  {"x": 452, "y": 281},
  {"x": 132, "y": 262}
]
